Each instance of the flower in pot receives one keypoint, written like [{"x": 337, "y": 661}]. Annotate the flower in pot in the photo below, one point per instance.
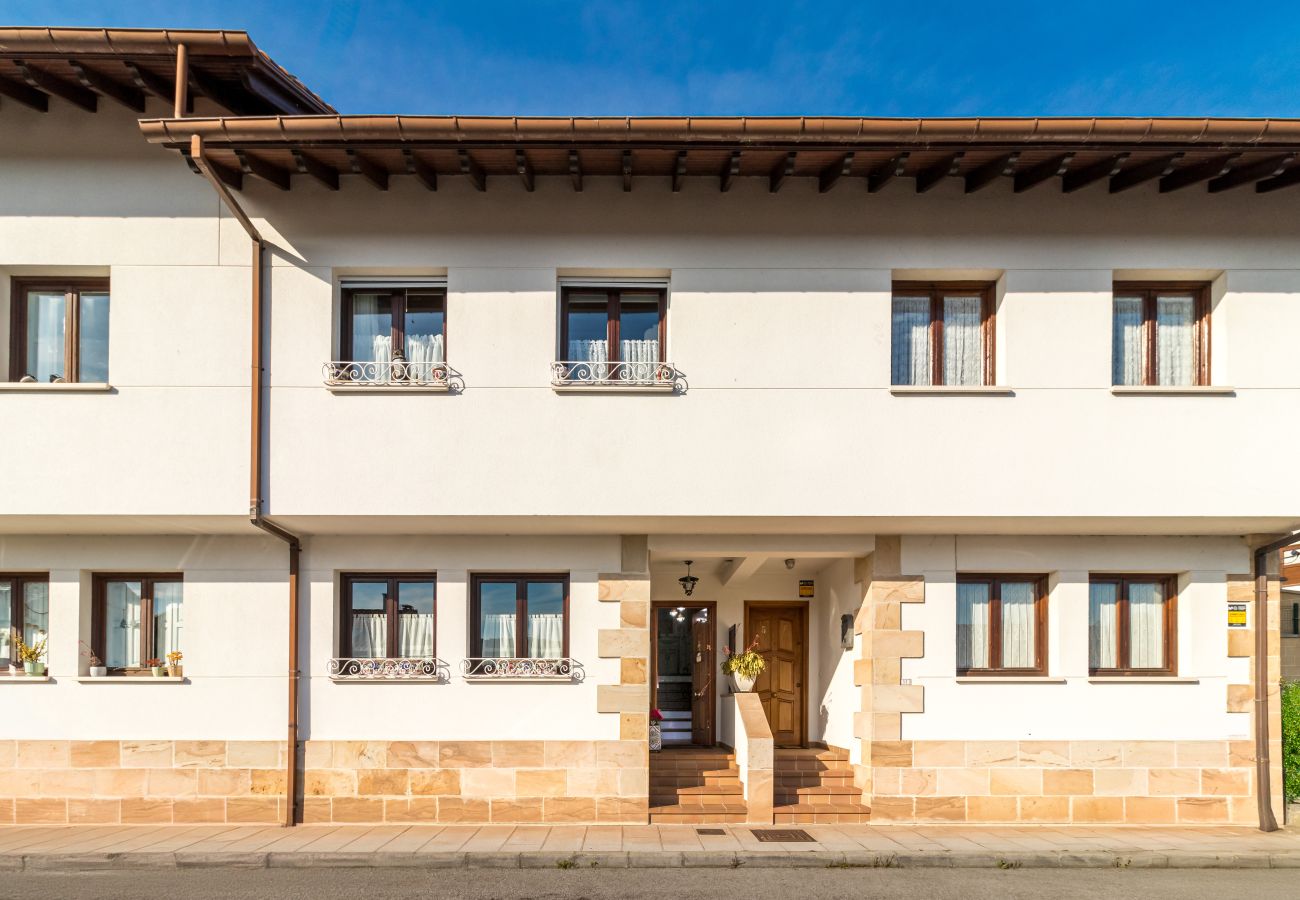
[
  {"x": 744, "y": 668},
  {"x": 32, "y": 656},
  {"x": 156, "y": 666},
  {"x": 97, "y": 667},
  {"x": 174, "y": 663}
]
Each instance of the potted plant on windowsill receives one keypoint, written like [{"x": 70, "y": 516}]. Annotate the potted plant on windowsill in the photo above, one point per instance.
[
  {"x": 32, "y": 656},
  {"x": 156, "y": 666},
  {"x": 97, "y": 667},
  {"x": 744, "y": 668},
  {"x": 656, "y": 730},
  {"x": 174, "y": 663}
]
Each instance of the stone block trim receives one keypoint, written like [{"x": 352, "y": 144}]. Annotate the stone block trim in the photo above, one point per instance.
[
  {"x": 1064, "y": 782},
  {"x": 629, "y": 698},
  {"x": 107, "y": 782}
]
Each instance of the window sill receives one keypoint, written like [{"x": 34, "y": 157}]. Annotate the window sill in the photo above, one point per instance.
[
  {"x": 67, "y": 387},
  {"x": 1161, "y": 390},
  {"x": 954, "y": 390},
  {"x": 131, "y": 679},
  {"x": 25, "y": 679},
  {"x": 599, "y": 387},
  {"x": 1009, "y": 679},
  {"x": 1141, "y": 679}
]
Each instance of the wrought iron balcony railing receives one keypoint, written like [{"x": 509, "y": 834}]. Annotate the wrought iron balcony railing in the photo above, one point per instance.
[
  {"x": 617, "y": 375},
  {"x": 393, "y": 374},
  {"x": 396, "y": 668},
  {"x": 521, "y": 669}
]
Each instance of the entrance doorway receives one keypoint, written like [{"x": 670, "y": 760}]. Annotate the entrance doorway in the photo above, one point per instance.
[
  {"x": 682, "y": 662},
  {"x": 782, "y": 633}
]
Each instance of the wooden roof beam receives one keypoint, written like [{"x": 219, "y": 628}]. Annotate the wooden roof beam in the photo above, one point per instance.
[
  {"x": 575, "y": 170},
  {"x": 25, "y": 94},
  {"x": 1198, "y": 172},
  {"x": 679, "y": 171},
  {"x": 472, "y": 170},
  {"x": 1281, "y": 180},
  {"x": 929, "y": 177},
  {"x": 219, "y": 93},
  {"x": 986, "y": 174},
  {"x": 783, "y": 170},
  {"x": 525, "y": 170},
  {"x": 145, "y": 80},
  {"x": 1081, "y": 178},
  {"x": 251, "y": 165},
  {"x": 130, "y": 97},
  {"x": 627, "y": 171},
  {"x": 368, "y": 169},
  {"x": 231, "y": 178},
  {"x": 64, "y": 90},
  {"x": 1263, "y": 170},
  {"x": 893, "y": 167},
  {"x": 423, "y": 172},
  {"x": 729, "y": 172},
  {"x": 1037, "y": 174},
  {"x": 834, "y": 172},
  {"x": 1139, "y": 173},
  {"x": 310, "y": 165}
]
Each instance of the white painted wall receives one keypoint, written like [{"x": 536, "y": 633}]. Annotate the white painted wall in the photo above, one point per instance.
[{"x": 1078, "y": 708}]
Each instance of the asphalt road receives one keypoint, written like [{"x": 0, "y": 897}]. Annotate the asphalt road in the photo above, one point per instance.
[{"x": 754, "y": 884}]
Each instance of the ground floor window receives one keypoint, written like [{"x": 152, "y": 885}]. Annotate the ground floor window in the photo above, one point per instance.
[
  {"x": 1132, "y": 624},
  {"x": 520, "y": 616},
  {"x": 24, "y": 613},
  {"x": 1001, "y": 624},
  {"x": 385, "y": 615},
  {"x": 136, "y": 619}
]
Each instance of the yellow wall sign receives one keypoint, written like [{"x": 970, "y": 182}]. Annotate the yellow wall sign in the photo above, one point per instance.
[
  {"x": 1236, "y": 615},
  {"x": 806, "y": 590}
]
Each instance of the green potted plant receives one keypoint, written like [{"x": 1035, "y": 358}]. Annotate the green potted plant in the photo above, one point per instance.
[
  {"x": 156, "y": 666},
  {"x": 174, "y": 663},
  {"x": 744, "y": 668},
  {"x": 32, "y": 656}
]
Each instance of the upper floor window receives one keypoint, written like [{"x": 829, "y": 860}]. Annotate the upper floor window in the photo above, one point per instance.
[
  {"x": 942, "y": 334},
  {"x": 519, "y": 616},
  {"x": 386, "y": 616},
  {"x": 24, "y": 613},
  {"x": 1161, "y": 334},
  {"x": 1132, "y": 625},
  {"x": 613, "y": 334},
  {"x": 394, "y": 334},
  {"x": 135, "y": 619},
  {"x": 1001, "y": 625},
  {"x": 59, "y": 330}
]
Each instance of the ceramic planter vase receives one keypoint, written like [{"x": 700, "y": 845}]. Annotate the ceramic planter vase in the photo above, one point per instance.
[
  {"x": 740, "y": 684},
  {"x": 159, "y": 671},
  {"x": 34, "y": 668},
  {"x": 98, "y": 671}
]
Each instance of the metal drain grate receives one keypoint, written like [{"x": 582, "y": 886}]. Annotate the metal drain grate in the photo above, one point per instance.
[
  {"x": 783, "y": 835},
  {"x": 710, "y": 831}
]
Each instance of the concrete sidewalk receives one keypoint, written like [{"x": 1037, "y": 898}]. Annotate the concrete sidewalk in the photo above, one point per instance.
[{"x": 89, "y": 847}]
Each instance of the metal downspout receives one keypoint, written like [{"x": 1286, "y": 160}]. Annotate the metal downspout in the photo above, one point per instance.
[
  {"x": 1263, "y": 762},
  {"x": 257, "y": 466}
]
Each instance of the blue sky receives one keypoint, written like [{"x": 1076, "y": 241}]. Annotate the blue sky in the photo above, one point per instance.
[{"x": 756, "y": 58}]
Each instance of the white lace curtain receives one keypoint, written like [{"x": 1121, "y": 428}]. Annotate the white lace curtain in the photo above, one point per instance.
[
  {"x": 1175, "y": 325},
  {"x": 974, "y": 623},
  {"x": 1146, "y": 638},
  {"x": 973, "y": 606},
  {"x": 372, "y": 341},
  {"x": 963, "y": 341},
  {"x": 1128, "y": 344},
  {"x": 545, "y": 635},
  {"x": 1103, "y": 625},
  {"x": 643, "y": 357},
  {"x": 370, "y": 635},
  {"x": 1018, "y": 639}
]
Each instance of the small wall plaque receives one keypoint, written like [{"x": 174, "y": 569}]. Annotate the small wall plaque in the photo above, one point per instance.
[
  {"x": 1237, "y": 615},
  {"x": 806, "y": 589}
]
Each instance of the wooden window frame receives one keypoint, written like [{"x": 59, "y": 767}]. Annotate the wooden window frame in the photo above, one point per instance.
[
  {"x": 935, "y": 291},
  {"x": 995, "y": 582},
  {"x": 346, "y": 582},
  {"x": 1148, "y": 291},
  {"x": 613, "y": 310},
  {"x": 1122, "y": 651},
  {"x": 397, "y": 295},
  {"x": 521, "y": 609},
  {"x": 18, "y": 600},
  {"x": 99, "y": 612},
  {"x": 72, "y": 289}
]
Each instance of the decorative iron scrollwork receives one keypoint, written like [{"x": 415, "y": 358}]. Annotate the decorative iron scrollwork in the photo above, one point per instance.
[
  {"x": 617, "y": 375},
  {"x": 522, "y": 669},
  {"x": 398, "y": 668}
]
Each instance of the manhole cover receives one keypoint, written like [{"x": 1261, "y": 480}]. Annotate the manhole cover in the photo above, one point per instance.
[
  {"x": 710, "y": 831},
  {"x": 783, "y": 835}
]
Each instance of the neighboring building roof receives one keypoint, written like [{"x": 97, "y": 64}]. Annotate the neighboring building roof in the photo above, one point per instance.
[
  {"x": 81, "y": 65},
  {"x": 1215, "y": 154}
]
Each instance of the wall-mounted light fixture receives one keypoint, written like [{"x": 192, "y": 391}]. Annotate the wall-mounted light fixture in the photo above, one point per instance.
[{"x": 688, "y": 581}]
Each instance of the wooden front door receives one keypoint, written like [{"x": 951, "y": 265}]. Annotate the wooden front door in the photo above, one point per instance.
[
  {"x": 702, "y": 681},
  {"x": 780, "y": 634}
]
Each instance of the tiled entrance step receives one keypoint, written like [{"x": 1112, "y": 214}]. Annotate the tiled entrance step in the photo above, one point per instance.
[
  {"x": 815, "y": 786},
  {"x": 695, "y": 785}
]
